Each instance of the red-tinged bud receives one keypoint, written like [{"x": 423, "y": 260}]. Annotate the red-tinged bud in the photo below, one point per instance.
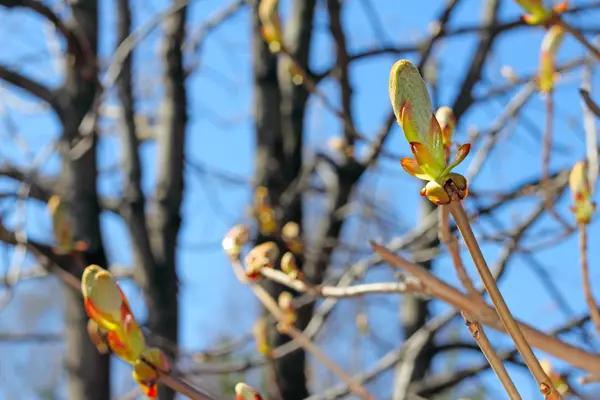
[
  {"x": 550, "y": 45},
  {"x": 146, "y": 370},
  {"x": 583, "y": 207},
  {"x": 246, "y": 392},
  {"x": 268, "y": 13},
  {"x": 426, "y": 160},
  {"x": 262, "y": 256},
  {"x": 436, "y": 193}
]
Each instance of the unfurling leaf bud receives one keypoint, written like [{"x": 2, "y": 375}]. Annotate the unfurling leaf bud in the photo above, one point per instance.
[
  {"x": 234, "y": 241},
  {"x": 410, "y": 101},
  {"x": 537, "y": 13},
  {"x": 262, "y": 256},
  {"x": 102, "y": 296}
]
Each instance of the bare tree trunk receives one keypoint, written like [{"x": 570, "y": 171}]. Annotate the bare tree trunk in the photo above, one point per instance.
[
  {"x": 88, "y": 370},
  {"x": 161, "y": 286}
]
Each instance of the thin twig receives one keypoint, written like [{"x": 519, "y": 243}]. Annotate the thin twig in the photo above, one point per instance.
[
  {"x": 271, "y": 305},
  {"x": 462, "y": 221},
  {"x": 475, "y": 327},
  {"x": 488, "y": 351},
  {"x": 579, "y": 36},
  {"x": 334, "y": 291},
  {"x": 585, "y": 273},
  {"x": 546, "y": 153}
]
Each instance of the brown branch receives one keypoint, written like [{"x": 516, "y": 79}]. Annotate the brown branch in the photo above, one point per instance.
[
  {"x": 30, "y": 86},
  {"x": 133, "y": 207},
  {"x": 159, "y": 283},
  {"x": 342, "y": 61},
  {"x": 434, "y": 287},
  {"x": 579, "y": 36},
  {"x": 488, "y": 351},
  {"x": 585, "y": 94},
  {"x": 585, "y": 273},
  {"x": 462, "y": 221}
]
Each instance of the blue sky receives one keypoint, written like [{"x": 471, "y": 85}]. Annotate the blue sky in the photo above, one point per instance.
[{"x": 221, "y": 138}]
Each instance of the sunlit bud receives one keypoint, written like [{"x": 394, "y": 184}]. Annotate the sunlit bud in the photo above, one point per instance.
[
  {"x": 583, "y": 207},
  {"x": 290, "y": 233},
  {"x": 268, "y": 13},
  {"x": 261, "y": 336},
  {"x": 145, "y": 370},
  {"x": 234, "y": 241},
  {"x": 102, "y": 297},
  {"x": 410, "y": 101},
  {"x": 289, "y": 266},
  {"x": 246, "y": 392},
  {"x": 447, "y": 122},
  {"x": 436, "y": 193},
  {"x": 285, "y": 302},
  {"x": 550, "y": 46},
  {"x": 262, "y": 256}
]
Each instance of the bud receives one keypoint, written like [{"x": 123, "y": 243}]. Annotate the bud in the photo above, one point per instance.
[
  {"x": 234, "y": 241},
  {"x": 537, "y": 13},
  {"x": 246, "y": 392},
  {"x": 550, "y": 45},
  {"x": 146, "y": 370},
  {"x": 290, "y": 233},
  {"x": 447, "y": 122},
  {"x": 558, "y": 381},
  {"x": 410, "y": 101},
  {"x": 285, "y": 302},
  {"x": 262, "y": 256},
  {"x": 429, "y": 141},
  {"x": 289, "y": 266},
  {"x": 583, "y": 207},
  {"x": 268, "y": 13},
  {"x": 102, "y": 297},
  {"x": 436, "y": 193},
  {"x": 261, "y": 337},
  {"x": 62, "y": 227},
  {"x": 263, "y": 211}
]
